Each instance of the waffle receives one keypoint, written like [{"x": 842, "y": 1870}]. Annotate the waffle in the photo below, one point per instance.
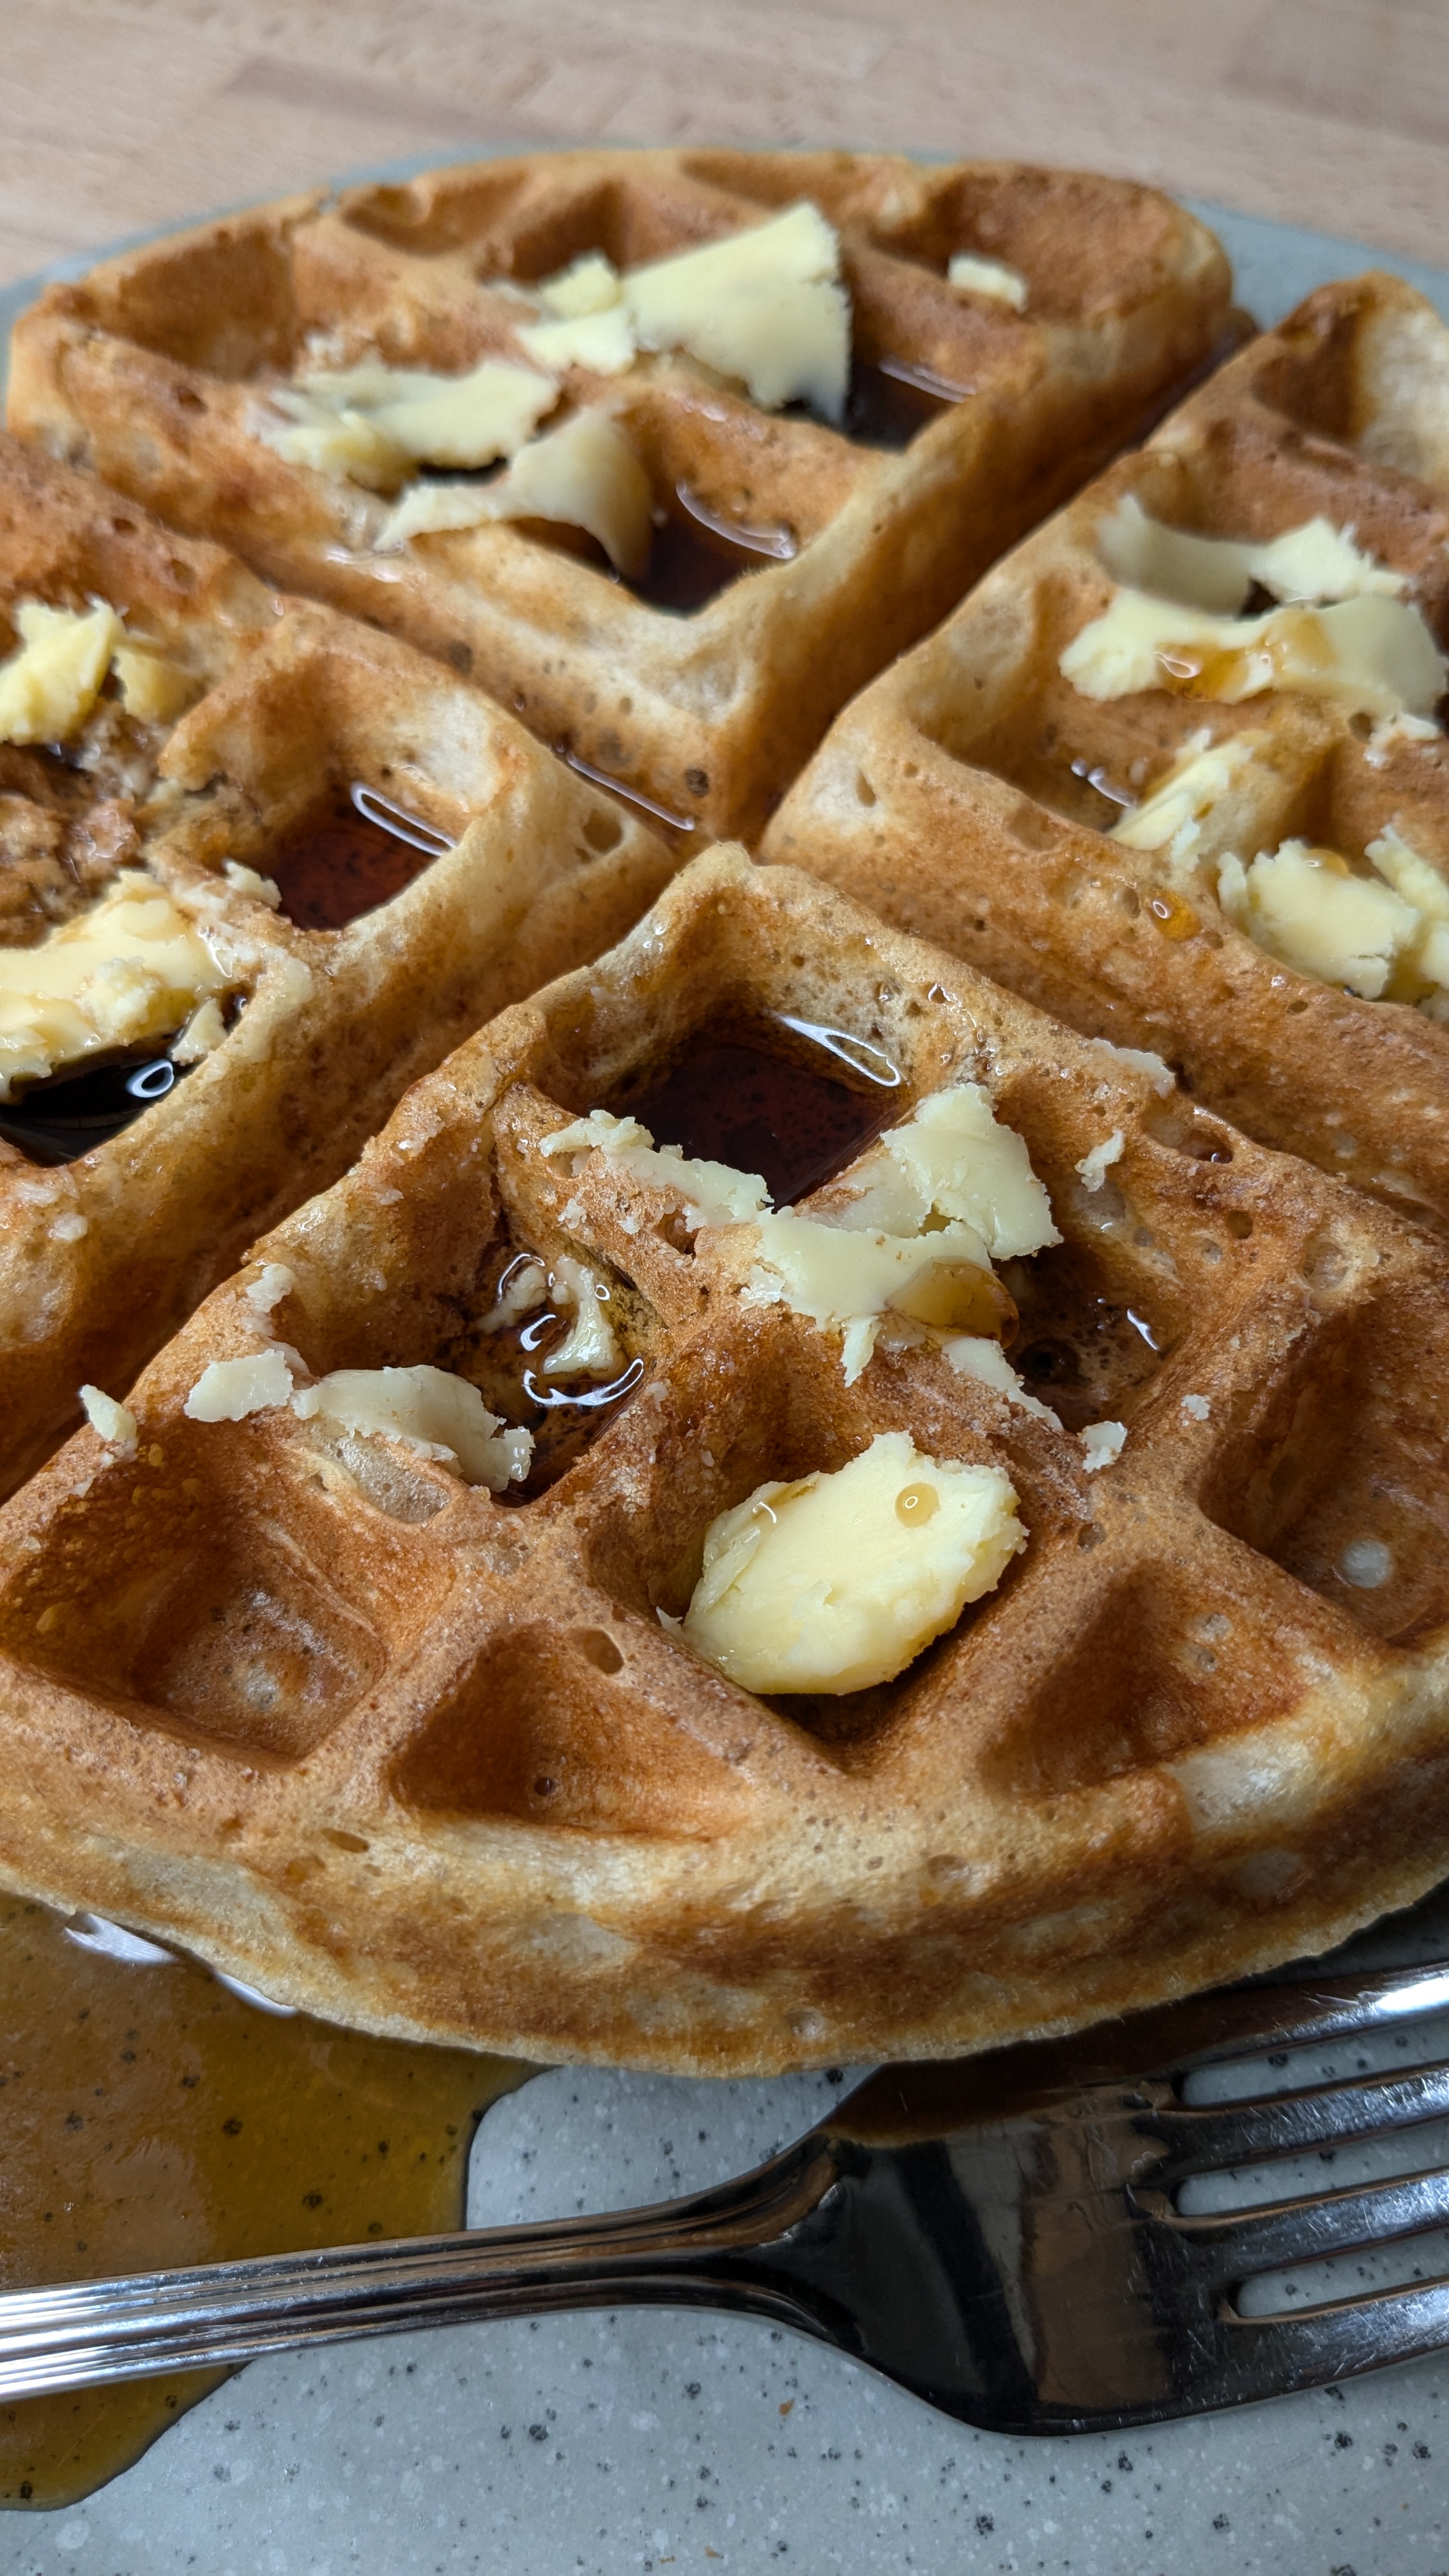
[
  {"x": 976, "y": 795},
  {"x": 111, "y": 1231},
  {"x": 437, "y": 1760},
  {"x": 693, "y": 690}
]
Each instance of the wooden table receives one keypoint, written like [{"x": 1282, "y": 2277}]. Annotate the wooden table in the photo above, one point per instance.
[{"x": 121, "y": 115}]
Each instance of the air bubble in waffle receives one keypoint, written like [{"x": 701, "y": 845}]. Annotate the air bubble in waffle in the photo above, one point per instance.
[
  {"x": 427, "y": 1759},
  {"x": 971, "y": 792},
  {"x": 430, "y": 860},
  {"x": 698, "y": 691}
]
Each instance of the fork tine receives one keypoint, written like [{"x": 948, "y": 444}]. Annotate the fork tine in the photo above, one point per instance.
[
  {"x": 1275, "y": 2356},
  {"x": 1228, "y": 2246},
  {"x": 1320, "y": 2115}
]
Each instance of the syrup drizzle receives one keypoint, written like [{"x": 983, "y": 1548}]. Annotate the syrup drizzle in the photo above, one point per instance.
[
  {"x": 783, "y": 1112},
  {"x": 151, "y": 2118},
  {"x": 82, "y": 1105},
  {"x": 355, "y": 851}
]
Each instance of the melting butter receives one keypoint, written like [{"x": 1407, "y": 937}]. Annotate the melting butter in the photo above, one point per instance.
[
  {"x": 840, "y": 1580},
  {"x": 587, "y": 474},
  {"x": 131, "y": 969}
]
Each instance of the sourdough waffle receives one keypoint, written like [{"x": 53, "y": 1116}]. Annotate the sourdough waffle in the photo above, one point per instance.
[
  {"x": 436, "y": 1761},
  {"x": 496, "y": 869},
  {"x": 978, "y": 795},
  {"x": 697, "y": 691}
]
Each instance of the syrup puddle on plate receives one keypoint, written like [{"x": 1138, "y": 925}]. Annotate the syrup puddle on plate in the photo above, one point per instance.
[{"x": 150, "y": 2118}]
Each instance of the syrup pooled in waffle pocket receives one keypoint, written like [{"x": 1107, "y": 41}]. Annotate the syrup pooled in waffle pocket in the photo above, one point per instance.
[
  {"x": 544, "y": 1601},
  {"x": 1176, "y": 770},
  {"x": 541, "y": 416},
  {"x": 259, "y": 867}
]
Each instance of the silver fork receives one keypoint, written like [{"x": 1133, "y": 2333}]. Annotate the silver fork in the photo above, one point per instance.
[{"x": 1001, "y": 2235}]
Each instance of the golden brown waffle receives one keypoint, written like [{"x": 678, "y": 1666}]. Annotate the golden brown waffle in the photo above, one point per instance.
[
  {"x": 104, "y": 1249},
  {"x": 427, "y": 1760},
  {"x": 969, "y": 793},
  {"x": 698, "y": 691}
]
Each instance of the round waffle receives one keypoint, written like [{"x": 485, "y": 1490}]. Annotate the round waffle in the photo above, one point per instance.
[{"x": 429, "y": 1759}]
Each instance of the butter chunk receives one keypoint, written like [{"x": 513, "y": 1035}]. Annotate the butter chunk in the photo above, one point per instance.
[
  {"x": 228, "y": 1390},
  {"x": 587, "y": 474},
  {"x": 133, "y": 968},
  {"x": 1369, "y": 655},
  {"x": 1312, "y": 562},
  {"x": 1102, "y": 1445},
  {"x": 973, "y": 1355},
  {"x": 954, "y": 1159},
  {"x": 602, "y": 341},
  {"x": 1307, "y": 907},
  {"x": 112, "y": 1422},
  {"x": 368, "y": 422},
  {"x": 589, "y": 285},
  {"x": 714, "y": 1193},
  {"x": 763, "y": 305},
  {"x": 439, "y": 1415},
  {"x": 1094, "y": 1164},
  {"x": 154, "y": 689},
  {"x": 844, "y": 1280},
  {"x": 1203, "y": 781},
  {"x": 839, "y": 1581},
  {"x": 50, "y": 684},
  {"x": 987, "y": 277},
  {"x": 589, "y": 1349}
]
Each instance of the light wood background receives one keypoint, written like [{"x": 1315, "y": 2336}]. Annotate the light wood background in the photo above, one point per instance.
[{"x": 117, "y": 116}]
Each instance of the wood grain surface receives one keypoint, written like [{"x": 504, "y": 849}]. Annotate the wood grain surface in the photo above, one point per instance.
[{"x": 117, "y": 116}]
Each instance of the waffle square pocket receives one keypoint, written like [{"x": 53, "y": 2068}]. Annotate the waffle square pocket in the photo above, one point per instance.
[
  {"x": 259, "y": 867},
  {"x": 670, "y": 451},
  {"x": 787, "y": 1508},
  {"x": 1177, "y": 769}
]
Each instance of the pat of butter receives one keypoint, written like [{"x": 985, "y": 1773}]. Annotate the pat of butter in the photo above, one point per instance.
[
  {"x": 1384, "y": 936},
  {"x": 844, "y": 1280},
  {"x": 1200, "y": 782},
  {"x": 1312, "y": 562},
  {"x": 112, "y": 1422},
  {"x": 987, "y": 277},
  {"x": 133, "y": 968},
  {"x": 589, "y": 1349},
  {"x": 228, "y": 1390},
  {"x": 713, "y": 1193},
  {"x": 1370, "y": 654},
  {"x": 585, "y": 475},
  {"x": 840, "y": 1581},
  {"x": 368, "y": 422},
  {"x": 441, "y": 1416},
  {"x": 602, "y": 341},
  {"x": 590, "y": 285},
  {"x": 154, "y": 689},
  {"x": 952, "y": 1158},
  {"x": 764, "y": 305},
  {"x": 49, "y": 686}
]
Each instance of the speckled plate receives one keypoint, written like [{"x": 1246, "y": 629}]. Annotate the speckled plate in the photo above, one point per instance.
[{"x": 648, "y": 2439}]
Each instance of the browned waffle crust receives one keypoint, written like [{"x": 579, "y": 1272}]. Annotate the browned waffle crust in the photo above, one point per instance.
[
  {"x": 151, "y": 369},
  {"x": 957, "y": 794},
  {"x": 101, "y": 1257},
  {"x": 428, "y": 1761}
]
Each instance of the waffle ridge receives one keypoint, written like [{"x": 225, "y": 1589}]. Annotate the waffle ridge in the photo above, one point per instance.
[
  {"x": 148, "y": 371},
  {"x": 427, "y": 1760},
  {"x": 962, "y": 794},
  {"x": 103, "y": 1254}
]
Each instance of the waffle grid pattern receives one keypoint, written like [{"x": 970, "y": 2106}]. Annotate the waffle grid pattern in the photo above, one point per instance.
[
  {"x": 150, "y": 370},
  {"x": 100, "y": 1258},
  {"x": 427, "y": 1760},
  {"x": 969, "y": 793}
]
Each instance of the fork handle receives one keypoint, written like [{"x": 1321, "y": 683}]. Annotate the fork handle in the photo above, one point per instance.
[{"x": 686, "y": 2253}]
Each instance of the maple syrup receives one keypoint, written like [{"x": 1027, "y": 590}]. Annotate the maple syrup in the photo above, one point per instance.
[
  {"x": 696, "y": 552},
  {"x": 353, "y": 852},
  {"x": 149, "y": 2118},
  {"x": 63, "y": 1116},
  {"x": 783, "y": 1098},
  {"x": 889, "y": 401}
]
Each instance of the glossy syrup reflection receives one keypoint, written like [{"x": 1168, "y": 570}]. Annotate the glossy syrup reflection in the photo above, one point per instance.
[
  {"x": 354, "y": 851},
  {"x": 785, "y": 1097},
  {"x": 62, "y": 1117},
  {"x": 148, "y": 2117}
]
